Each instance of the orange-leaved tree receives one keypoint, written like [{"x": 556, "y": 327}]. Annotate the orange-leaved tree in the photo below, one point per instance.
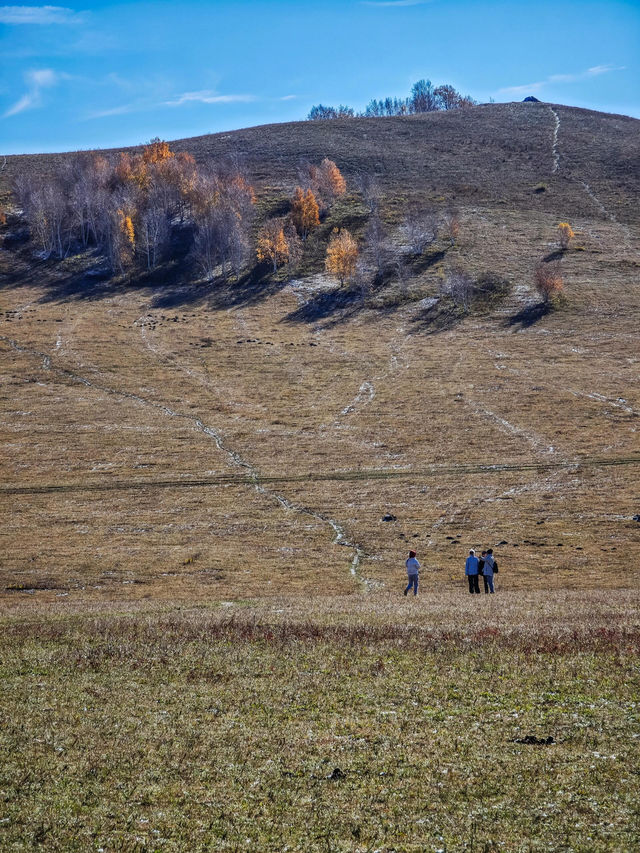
[
  {"x": 342, "y": 256},
  {"x": 156, "y": 151},
  {"x": 126, "y": 226},
  {"x": 333, "y": 184},
  {"x": 272, "y": 243},
  {"x": 305, "y": 213}
]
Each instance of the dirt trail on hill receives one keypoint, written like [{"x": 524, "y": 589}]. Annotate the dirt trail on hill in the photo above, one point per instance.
[
  {"x": 605, "y": 212},
  {"x": 554, "y": 142},
  {"x": 251, "y": 476}
]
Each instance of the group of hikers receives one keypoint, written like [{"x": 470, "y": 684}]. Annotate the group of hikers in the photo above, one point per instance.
[{"x": 485, "y": 566}]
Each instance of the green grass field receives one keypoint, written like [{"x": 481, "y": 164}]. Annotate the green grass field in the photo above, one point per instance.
[{"x": 279, "y": 729}]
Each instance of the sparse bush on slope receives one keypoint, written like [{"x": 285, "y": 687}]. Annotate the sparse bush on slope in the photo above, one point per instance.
[
  {"x": 565, "y": 235},
  {"x": 342, "y": 256},
  {"x": 548, "y": 281}
]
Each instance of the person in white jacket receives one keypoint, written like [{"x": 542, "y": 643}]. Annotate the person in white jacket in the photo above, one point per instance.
[{"x": 413, "y": 569}]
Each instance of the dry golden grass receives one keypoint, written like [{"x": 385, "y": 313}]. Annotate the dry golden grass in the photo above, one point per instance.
[
  {"x": 123, "y": 408},
  {"x": 193, "y": 441},
  {"x": 204, "y": 634}
]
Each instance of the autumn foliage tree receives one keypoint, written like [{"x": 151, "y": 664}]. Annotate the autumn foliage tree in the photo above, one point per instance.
[
  {"x": 305, "y": 213},
  {"x": 565, "y": 235},
  {"x": 331, "y": 183},
  {"x": 342, "y": 256},
  {"x": 132, "y": 205},
  {"x": 326, "y": 182},
  {"x": 272, "y": 245},
  {"x": 222, "y": 209}
]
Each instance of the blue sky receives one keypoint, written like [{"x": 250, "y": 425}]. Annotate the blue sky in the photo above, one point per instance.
[{"x": 111, "y": 74}]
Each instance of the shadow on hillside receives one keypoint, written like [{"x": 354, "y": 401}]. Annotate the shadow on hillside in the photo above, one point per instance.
[
  {"x": 342, "y": 301},
  {"x": 530, "y": 315},
  {"x": 251, "y": 288},
  {"x": 421, "y": 263},
  {"x": 556, "y": 255},
  {"x": 440, "y": 315},
  {"x": 383, "y": 296}
]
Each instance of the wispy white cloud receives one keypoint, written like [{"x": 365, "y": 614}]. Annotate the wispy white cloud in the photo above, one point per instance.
[
  {"x": 38, "y": 15},
  {"x": 525, "y": 89},
  {"x": 206, "y": 96},
  {"x": 43, "y": 78},
  {"x": 115, "y": 111},
  {"x": 532, "y": 88},
  {"x": 288, "y": 98},
  {"x": 604, "y": 69}
]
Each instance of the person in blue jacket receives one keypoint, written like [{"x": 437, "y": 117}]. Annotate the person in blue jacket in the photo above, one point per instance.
[
  {"x": 489, "y": 566},
  {"x": 413, "y": 567},
  {"x": 471, "y": 571}
]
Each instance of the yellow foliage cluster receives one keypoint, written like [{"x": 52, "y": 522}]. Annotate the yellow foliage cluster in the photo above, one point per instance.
[
  {"x": 327, "y": 180},
  {"x": 156, "y": 151},
  {"x": 3, "y": 217},
  {"x": 566, "y": 234},
  {"x": 272, "y": 244},
  {"x": 136, "y": 168},
  {"x": 126, "y": 226},
  {"x": 305, "y": 213},
  {"x": 342, "y": 256},
  {"x": 334, "y": 177},
  {"x": 132, "y": 170}
]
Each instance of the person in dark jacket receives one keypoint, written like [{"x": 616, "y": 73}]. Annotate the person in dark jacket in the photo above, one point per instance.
[{"x": 471, "y": 571}]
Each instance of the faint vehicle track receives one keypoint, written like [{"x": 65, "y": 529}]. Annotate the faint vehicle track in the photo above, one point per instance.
[
  {"x": 252, "y": 474},
  {"x": 343, "y": 476}
]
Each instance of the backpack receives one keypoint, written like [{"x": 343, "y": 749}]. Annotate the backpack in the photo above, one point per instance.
[{"x": 495, "y": 567}]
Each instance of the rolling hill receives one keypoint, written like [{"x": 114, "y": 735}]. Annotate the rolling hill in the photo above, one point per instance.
[
  {"x": 209, "y": 488},
  {"x": 179, "y": 438}
]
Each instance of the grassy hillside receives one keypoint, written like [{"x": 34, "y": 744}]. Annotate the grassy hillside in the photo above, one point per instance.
[
  {"x": 510, "y": 426},
  {"x": 204, "y": 636}
]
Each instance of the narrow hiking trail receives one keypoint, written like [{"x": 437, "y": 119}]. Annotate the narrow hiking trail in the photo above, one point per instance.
[
  {"x": 554, "y": 142},
  {"x": 538, "y": 444},
  {"x": 604, "y": 211},
  {"x": 252, "y": 473},
  {"x": 340, "y": 535}
]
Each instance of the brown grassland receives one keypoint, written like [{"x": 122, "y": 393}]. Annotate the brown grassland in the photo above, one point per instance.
[{"x": 204, "y": 640}]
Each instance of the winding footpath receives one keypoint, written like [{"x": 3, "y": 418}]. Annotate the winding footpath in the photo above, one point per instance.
[{"x": 251, "y": 473}]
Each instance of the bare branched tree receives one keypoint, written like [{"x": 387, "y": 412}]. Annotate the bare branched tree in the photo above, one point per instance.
[
  {"x": 376, "y": 248},
  {"x": 420, "y": 228},
  {"x": 459, "y": 286}
]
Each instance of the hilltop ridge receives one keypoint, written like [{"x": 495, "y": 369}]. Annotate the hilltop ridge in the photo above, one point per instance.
[{"x": 491, "y": 153}]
